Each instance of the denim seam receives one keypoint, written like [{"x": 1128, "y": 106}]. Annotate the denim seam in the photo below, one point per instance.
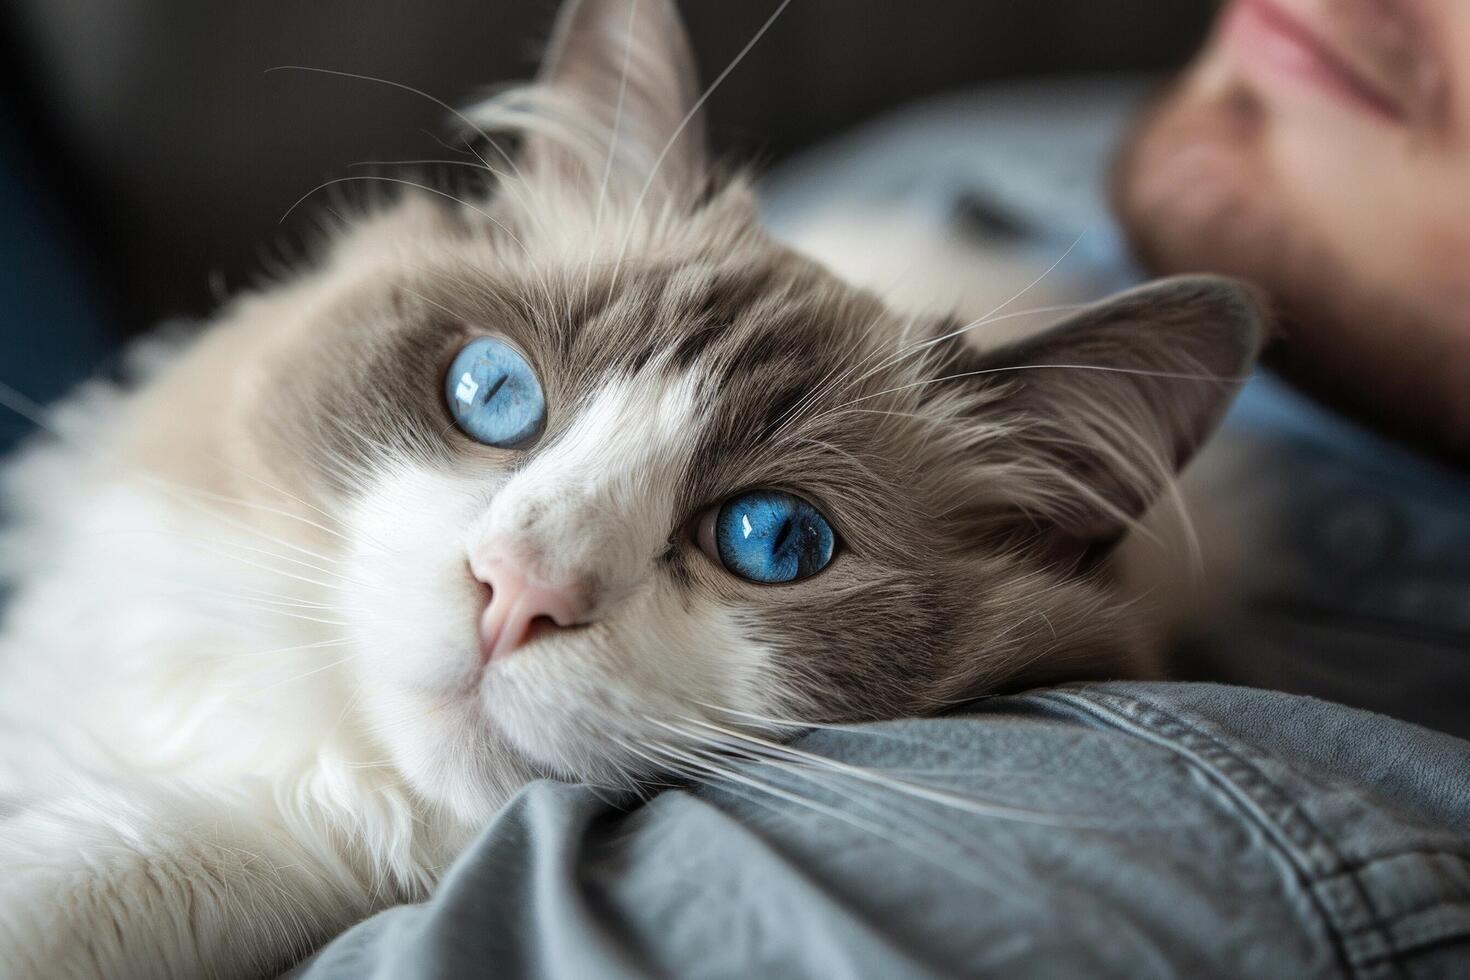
[
  {"x": 1439, "y": 903},
  {"x": 1435, "y": 902},
  {"x": 1360, "y": 865},
  {"x": 1362, "y": 950},
  {"x": 1419, "y": 936}
]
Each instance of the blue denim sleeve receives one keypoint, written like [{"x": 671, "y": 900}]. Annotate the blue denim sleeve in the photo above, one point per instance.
[
  {"x": 1359, "y": 567},
  {"x": 1114, "y": 830}
]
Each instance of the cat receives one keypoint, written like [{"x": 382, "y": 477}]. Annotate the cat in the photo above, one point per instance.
[{"x": 527, "y": 486}]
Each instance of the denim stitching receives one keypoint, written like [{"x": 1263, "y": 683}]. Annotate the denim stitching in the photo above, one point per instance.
[
  {"x": 1365, "y": 948},
  {"x": 1375, "y": 940}
]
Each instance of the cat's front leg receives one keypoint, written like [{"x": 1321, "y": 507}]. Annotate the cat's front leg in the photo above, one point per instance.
[{"x": 166, "y": 884}]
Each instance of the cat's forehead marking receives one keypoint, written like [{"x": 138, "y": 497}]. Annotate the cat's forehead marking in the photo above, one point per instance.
[
  {"x": 639, "y": 423},
  {"x": 601, "y": 493},
  {"x": 722, "y": 316}
]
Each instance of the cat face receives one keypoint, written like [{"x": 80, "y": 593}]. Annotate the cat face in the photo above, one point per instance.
[{"x": 610, "y": 462}]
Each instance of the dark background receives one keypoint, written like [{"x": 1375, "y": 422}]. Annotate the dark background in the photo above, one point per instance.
[{"x": 150, "y": 133}]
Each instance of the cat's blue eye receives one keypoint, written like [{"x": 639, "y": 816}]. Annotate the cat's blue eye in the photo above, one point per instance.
[
  {"x": 493, "y": 394},
  {"x": 770, "y": 536}
]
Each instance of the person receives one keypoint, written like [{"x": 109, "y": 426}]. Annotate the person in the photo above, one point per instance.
[
  {"x": 1119, "y": 829},
  {"x": 1322, "y": 149},
  {"x": 1319, "y": 149}
]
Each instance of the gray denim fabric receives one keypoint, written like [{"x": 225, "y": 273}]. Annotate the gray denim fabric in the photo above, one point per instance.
[{"x": 1195, "y": 831}]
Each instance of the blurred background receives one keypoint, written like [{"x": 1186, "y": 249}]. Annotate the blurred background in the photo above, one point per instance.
[
  {"x": 149, "y": 152},
  {"x": 149, "y": 140}
]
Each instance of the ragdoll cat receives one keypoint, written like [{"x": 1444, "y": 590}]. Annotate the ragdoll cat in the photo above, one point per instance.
[{"x": 526, "y": 487}]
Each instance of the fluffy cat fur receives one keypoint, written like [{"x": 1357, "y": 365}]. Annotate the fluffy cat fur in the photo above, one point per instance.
[{"x": 242, "y": 704}]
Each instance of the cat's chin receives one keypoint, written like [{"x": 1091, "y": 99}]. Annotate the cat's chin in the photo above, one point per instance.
[{"x": 553, "y": 705}]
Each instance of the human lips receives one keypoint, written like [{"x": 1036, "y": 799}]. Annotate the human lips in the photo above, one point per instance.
[{"x": 1369, "y": 55}]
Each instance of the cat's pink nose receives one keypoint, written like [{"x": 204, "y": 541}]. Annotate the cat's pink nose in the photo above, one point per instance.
[{"x": 521, "y": 607}]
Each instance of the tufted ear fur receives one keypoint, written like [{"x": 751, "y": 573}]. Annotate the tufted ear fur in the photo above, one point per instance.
[
  {"x": 619, "y": 77},
  {"x": 1097, "y": 414}
]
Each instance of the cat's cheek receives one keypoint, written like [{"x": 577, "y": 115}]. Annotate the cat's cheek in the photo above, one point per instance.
[{"x": 414, "y": 607}]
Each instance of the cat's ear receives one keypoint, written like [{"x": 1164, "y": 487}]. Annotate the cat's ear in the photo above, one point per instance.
[
  {"x": 1091, "y": 419},
  {"x": 626, "y": 69}
]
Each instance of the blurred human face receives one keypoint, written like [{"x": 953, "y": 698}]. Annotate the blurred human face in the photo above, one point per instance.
[{"x": 1322, "y": 148}]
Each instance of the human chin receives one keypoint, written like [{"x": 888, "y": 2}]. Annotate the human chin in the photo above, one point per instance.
[{"x": 1192, "y": 185}]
